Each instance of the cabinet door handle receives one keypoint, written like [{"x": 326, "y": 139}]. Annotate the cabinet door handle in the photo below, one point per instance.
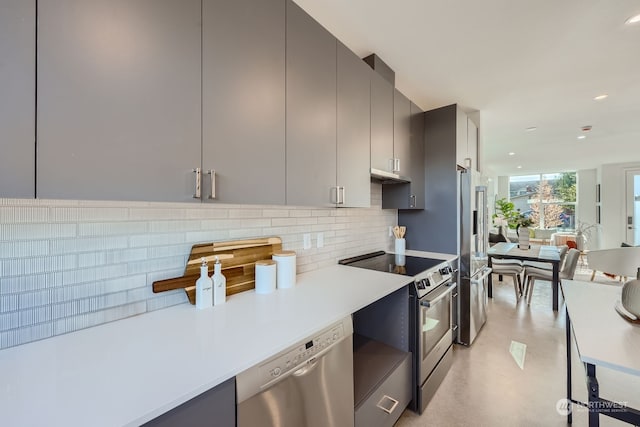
[
  {"x": 212, "y": 174},
  {"x": 341, "y": 195},
  {"x": 396, "y": 165},
  {"x": 197, "y": 194},
  {"x": 412, "y": 201},
  {"x": 393, "y": 401}
]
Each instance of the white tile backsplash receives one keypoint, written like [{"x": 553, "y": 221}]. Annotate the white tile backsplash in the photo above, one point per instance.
[{"x": 71, "y": 264}]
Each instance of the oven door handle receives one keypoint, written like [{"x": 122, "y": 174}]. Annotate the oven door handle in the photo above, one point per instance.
[{"x": 430, "y": 301}]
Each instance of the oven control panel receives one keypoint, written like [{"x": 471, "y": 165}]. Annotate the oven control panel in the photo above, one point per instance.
[
  {"x": 301, "y": 354},
  {"x": 433, "y": 278}
]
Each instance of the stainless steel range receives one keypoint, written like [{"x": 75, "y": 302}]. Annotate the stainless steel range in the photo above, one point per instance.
[{"x": 432, "y": 296}]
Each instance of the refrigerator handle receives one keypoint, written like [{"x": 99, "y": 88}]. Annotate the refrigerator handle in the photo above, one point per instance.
[{"x": 475, "y": 222}]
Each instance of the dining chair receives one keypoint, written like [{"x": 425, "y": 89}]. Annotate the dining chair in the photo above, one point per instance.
[
  {"x": 511, "y": 268},
  {"x": 567, "y": 273}
]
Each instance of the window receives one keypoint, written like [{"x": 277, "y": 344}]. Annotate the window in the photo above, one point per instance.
[{"x": 549, "y": 200}]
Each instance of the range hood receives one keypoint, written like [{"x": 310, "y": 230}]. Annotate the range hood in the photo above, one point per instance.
[{"x": 388, "y": 177}]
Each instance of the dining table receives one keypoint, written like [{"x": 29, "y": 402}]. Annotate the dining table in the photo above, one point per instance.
[{"x": 538, "y": 253}]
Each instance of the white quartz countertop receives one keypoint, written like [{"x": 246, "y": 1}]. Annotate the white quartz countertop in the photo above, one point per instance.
[
  {"x": 602, "y": 336},
  {"x": 130, "y": 371}
]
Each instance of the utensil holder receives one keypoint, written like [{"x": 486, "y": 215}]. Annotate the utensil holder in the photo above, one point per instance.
[{"x": 400, "y": 247}]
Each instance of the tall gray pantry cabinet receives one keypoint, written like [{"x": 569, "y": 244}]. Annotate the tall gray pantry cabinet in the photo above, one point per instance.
[
  {"x": 243, "y": 101},
  {"x": 118, "y": 99},
  {"x": 17, "y": 98},
  {"x": 311, "y": 111}
]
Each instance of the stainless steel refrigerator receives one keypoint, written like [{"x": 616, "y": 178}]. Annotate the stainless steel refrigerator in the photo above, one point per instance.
[{"x": 474, "y": 242}]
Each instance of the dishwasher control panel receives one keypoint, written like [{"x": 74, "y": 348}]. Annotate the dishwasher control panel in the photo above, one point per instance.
[{"x": 302, "y": 353}]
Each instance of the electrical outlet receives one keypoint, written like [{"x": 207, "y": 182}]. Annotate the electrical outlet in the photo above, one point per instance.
[
  {"x": 390, "y": 231},
  {"x": 306, "y": 241},
  {"x": 320, "y": 241}
]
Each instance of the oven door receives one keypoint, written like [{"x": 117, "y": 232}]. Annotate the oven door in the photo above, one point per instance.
[{"x": 434, "y": 327}]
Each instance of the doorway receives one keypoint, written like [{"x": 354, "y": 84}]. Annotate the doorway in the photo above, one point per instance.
[{"x": 632, "y": 202}]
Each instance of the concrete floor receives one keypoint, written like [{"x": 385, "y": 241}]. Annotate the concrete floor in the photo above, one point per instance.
[{"x": 486, "y": 387}]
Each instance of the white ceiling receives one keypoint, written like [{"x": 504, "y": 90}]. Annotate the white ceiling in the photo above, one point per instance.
[{"x": 521, "y": 63}]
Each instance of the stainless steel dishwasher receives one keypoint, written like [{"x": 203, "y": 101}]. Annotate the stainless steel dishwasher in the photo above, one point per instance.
[{"x": 307, "y": 385}]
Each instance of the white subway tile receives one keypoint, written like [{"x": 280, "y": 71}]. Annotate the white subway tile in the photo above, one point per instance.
[
  {"x": 11, "y": 232},
  {"x": 174, "y": 226},
  {"x": 298, "y": 213},
  {"x": 17, "y": 249},
  {"x": 275, "y": 213},
  {"x": 24, "y": 214},
  {"x": 112, "y": 228}
]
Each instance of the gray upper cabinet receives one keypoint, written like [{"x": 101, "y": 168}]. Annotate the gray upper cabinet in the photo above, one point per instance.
[
  {"x": 243, "y": 101},
  {"x": 411, "y": 195},
  {"x": 119, "y": 99},
  {"x": 381, "y": 123},
  {"x": 401, "y": 132},
  {"x": 17, "y": 98},
  {"x": 310, "y": 111},
  {"x": 353, "y": 129}
]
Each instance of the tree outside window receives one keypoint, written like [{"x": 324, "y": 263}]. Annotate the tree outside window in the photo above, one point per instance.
[{"x": 547, "y": 199}]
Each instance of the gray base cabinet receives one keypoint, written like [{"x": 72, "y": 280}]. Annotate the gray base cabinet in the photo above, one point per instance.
[
  {"x": 382, "y": 363},
  {"x": 382, "y": 383},
  {"x": 311, "y": 111},
  {"x": 17, "y": 98},
  {"x": 353, "y": 128},
  {"x": 243, "y": 101},
  {"x": 216, "y": 407},
  {"x": 119, "y": 99}
]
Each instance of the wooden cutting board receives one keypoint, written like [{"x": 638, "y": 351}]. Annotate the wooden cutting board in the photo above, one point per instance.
[{"x": 238, "y": 259}]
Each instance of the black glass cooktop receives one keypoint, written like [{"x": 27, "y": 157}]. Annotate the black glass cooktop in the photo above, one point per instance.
[{"x": 391, "y": 263}]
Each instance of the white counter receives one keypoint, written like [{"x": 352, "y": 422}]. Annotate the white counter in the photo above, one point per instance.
[
  {"x": 603, "y": 337},
  {"x": 130, "y": 371}
]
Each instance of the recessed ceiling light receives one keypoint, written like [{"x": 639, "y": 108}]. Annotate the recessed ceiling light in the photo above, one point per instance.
[
  {"x": 582, "y": 137},
  {"x": 633, "y": 20},
  {"x": 512, "y": 153},
  {"x": 600, "y": 97},
  {"x": 531, "y": 129},
  {"x": 519, "y": 167}
]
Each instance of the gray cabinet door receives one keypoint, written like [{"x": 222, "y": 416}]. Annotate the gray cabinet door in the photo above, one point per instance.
[
  {"x": 411, "y": 195},
  {"x": 416, "y": 158},
  {"x": 17, "y": 98},
  {"x": 119, "y": 98},
  {"x": 381, "y": 123},
  {"x": 243, "y": 101},
  {"x": 353, "y": 128},
  {"x": 311, "y": 111},
  {"x": 401, "y": 131}
]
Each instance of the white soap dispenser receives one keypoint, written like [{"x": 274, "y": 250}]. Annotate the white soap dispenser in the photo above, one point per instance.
[
  {"x": 204, "y": 287},
  {"x": 219, "y": 284}
]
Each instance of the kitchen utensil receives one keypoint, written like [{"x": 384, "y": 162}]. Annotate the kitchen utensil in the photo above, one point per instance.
[
  {"x": 396, "y": 232},
  {"x": 403, "y": 230}
]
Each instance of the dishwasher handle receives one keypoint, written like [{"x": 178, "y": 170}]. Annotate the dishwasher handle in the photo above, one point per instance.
[{"x": 307, "y": 368}]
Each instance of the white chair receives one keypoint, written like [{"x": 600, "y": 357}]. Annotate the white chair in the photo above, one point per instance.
[
  {"x": 623, "y": 262},
  {"x": 567, "y": 273},
  {"x": 511, "y": 268}
]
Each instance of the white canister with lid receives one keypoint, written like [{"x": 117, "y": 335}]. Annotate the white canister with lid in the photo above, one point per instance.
[
  {"x": 265, "y": 276},
  {"x": 285, "y": 269}
]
